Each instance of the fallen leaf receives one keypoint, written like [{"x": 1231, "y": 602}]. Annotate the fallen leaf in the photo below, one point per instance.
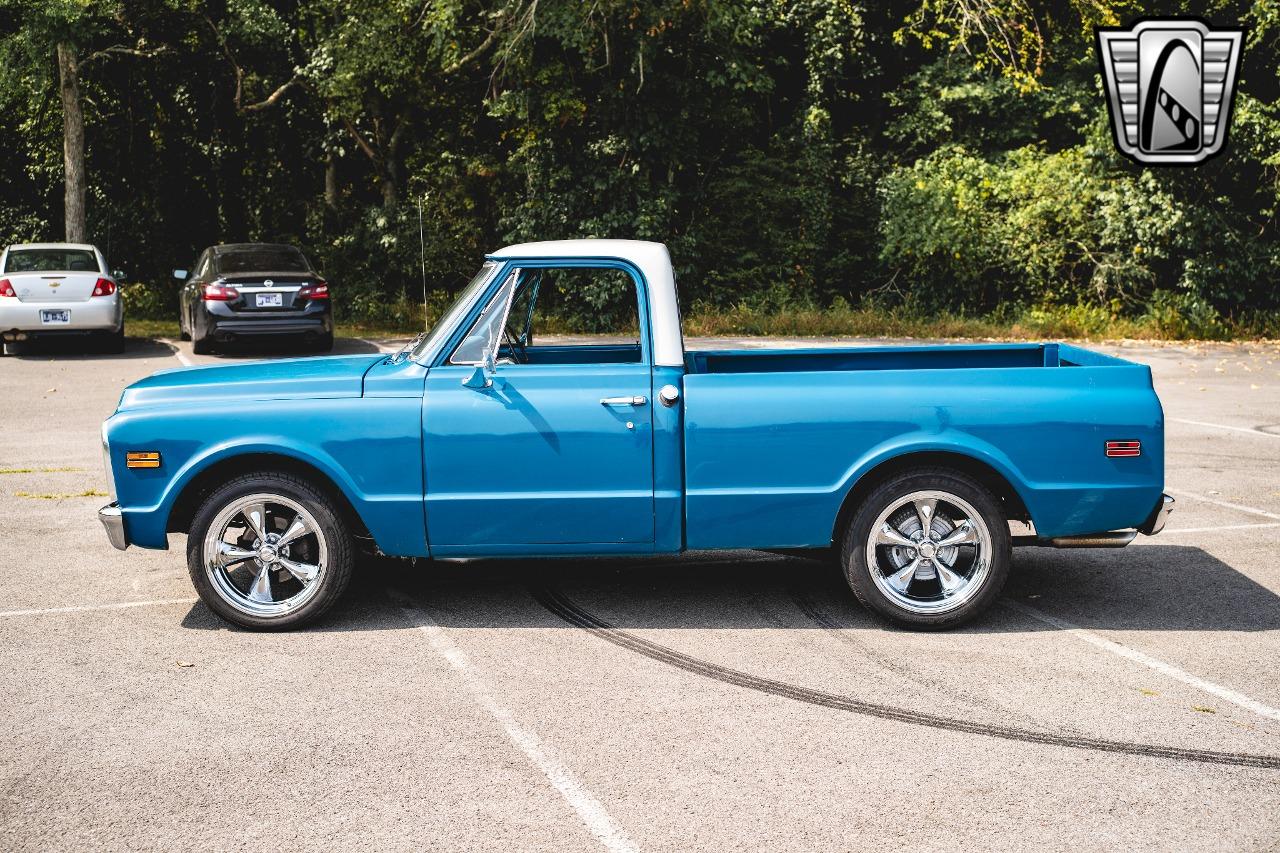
[
  {"x": 184, "y": 663},
  {"x": 51, "y": 390}
]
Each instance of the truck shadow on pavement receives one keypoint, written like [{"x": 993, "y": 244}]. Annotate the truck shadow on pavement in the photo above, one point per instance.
[{"x": 1150, "y": 587}]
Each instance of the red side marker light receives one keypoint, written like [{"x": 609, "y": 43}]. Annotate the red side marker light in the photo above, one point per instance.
[{"x": 1124, "y": 448}]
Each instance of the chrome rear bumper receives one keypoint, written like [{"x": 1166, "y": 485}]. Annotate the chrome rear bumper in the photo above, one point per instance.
[
  {"x": 113, "y": 521},
  {"x": 1156, "y": 521}
]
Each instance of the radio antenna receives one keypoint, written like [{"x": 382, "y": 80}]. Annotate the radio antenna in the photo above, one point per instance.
[{"x": 422, "y": 254}]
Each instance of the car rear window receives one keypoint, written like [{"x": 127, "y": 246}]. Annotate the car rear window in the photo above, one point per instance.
[
  {"x": 51, "y": 260},
  {"x": 262, "y": 260}
]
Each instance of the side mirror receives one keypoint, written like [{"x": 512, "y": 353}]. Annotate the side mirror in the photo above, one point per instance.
[
  {"x": 118, "y": 275},
  {"x": 482, "y": 376},
  {"x": 180, "y": 275}
]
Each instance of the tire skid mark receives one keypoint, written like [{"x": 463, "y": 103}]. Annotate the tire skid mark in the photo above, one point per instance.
[
  {"x": 838, "y": 631},
  {"x": 560, "y": 605}
]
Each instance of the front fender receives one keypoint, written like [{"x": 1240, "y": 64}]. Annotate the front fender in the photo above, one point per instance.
[{"x": 370, "y": 450}]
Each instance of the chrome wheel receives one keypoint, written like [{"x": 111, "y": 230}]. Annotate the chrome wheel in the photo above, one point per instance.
[
  {"x": 265, "y": 555},
  {"x": 929, "y": 552}
]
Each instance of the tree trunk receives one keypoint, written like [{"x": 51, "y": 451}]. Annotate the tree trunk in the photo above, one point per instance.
[
  {"x": 331, "y": 181},
  {"x": 72, "y": 144}
]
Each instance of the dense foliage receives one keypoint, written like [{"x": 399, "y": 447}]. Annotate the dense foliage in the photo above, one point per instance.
[{"x": 794, "y": 154}]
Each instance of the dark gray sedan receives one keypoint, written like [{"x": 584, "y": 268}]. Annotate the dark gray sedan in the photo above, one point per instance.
[{"x": 254, "y": 291}]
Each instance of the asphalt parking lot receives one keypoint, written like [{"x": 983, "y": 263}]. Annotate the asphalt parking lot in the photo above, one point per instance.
[{"x": 1113, "y": 700}]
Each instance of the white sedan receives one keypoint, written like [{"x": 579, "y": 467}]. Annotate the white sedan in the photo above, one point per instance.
[{"x": 55, "y": 289}]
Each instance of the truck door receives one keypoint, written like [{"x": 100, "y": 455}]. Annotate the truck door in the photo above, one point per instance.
[{"x": 550, "y": 451}]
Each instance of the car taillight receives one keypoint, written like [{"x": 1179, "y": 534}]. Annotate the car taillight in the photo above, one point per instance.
[
  {"x": 1124, "y": 448},
  {"x": 104, "y": 287},
  {"x": 220, "y": 293},
  {"x": 6, "y": 288},
  {"x": 318, "y": 290}
]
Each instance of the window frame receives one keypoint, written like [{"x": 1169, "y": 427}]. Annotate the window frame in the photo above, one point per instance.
[{"x": 509, "y": 265}]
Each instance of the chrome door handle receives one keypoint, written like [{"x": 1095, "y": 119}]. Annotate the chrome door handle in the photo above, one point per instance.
[{"x": 624, "y": 401}]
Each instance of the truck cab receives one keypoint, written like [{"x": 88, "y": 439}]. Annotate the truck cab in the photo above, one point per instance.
[{"x": 917, "y": 468}]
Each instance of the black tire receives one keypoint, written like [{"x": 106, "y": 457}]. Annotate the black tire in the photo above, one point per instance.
[
  {"x": 338, "y": 543},
  {"x": 11, "y": 348},
  {"x": 113, "y": 342},
  {"x": 324, "y": 343},
  {"x": 894, "y": 490},
  {"x": 183, "y": 334},
  {"x": 202, "y": 346}
]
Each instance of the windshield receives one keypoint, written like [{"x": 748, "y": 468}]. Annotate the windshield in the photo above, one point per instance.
[
  {"x": 51, "y": 260},
  {"x": 262, "y": 259},
  {"x": 459, "y": 307}
]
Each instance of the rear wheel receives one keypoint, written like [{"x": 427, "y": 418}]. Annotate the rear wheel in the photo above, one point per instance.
[
  {"x": 324, "y": 343},
  {"x": 113, "y": 342},
  {"x": 928, "y": 548},
  {"x": 202, "y": 346},
  {"x": 269, "y": 551},
  {"x": 183, "y": 334}
]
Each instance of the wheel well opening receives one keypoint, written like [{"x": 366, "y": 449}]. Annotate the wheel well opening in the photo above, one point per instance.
[
  {"x": 1010, "y": 501},
  {"x": 204, "y": 483}
]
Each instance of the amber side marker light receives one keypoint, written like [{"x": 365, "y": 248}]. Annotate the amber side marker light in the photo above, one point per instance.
[
  {"x": 1124, "y": 448},
  {"x": 142, "y": 459}
]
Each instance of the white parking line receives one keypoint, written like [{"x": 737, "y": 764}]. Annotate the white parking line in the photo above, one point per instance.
[
  {"x": 85, "y": 608},
  {"x": 1225, "y": 504},
  {"x": 1250, "y": 430},
  {"x": 592, "y": 812},
  {"x": 1167, "y": 531},
  {"x": 1146, "y": 660},
  {"x": 181, "y": 356}
]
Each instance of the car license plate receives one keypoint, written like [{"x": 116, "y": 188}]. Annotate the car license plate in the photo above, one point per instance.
[
  {"x": 55, "y": 318},
  {"x": 269, "y": 300}
]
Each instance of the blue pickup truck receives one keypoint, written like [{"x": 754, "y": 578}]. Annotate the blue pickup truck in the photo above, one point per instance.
[{"x": 917, "y": 467}]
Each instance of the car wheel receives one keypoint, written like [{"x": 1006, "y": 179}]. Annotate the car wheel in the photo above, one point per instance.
[
  {"x": 928, "y": 548},
  {"x": 183, "y": 334},
  {"x": 324, "y": 343},
  {"x": 202, "y": 346},
  {"x": 12, "y": 348},
  {"x": 113, "y": 342},
  {"x": 269, "y": 551}
]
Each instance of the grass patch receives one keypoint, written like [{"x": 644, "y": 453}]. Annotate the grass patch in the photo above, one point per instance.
[
  {"x": 57, "y": 496},
  {"x": 37, "y": 470},
  {"x": 151, "y": 328}
]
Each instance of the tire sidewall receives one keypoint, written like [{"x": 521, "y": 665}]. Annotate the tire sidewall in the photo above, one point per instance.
[
  {"x": 853, "y": 558},
  {"x": 341, "y": 553}
]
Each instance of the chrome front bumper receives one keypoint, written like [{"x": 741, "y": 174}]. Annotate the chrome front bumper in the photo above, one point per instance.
[
  {"x": 1156, "y": 521},
  {"x": 113, "y": 521}
]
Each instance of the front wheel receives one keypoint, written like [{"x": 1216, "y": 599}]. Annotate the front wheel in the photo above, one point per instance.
[
  {"x": 928, "y": 548},
  {"x": 269, "y": 551}
]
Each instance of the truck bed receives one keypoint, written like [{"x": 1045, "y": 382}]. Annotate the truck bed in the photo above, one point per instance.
[
  {"x": 911, "y": 357},
  {"x": 774, "y": 439}
]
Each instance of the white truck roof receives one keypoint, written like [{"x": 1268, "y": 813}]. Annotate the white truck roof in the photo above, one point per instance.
[{"x": 654, "y": 264}]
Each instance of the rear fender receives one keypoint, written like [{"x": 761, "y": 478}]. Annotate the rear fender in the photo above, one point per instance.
[{"x": 901, "y": 448}]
